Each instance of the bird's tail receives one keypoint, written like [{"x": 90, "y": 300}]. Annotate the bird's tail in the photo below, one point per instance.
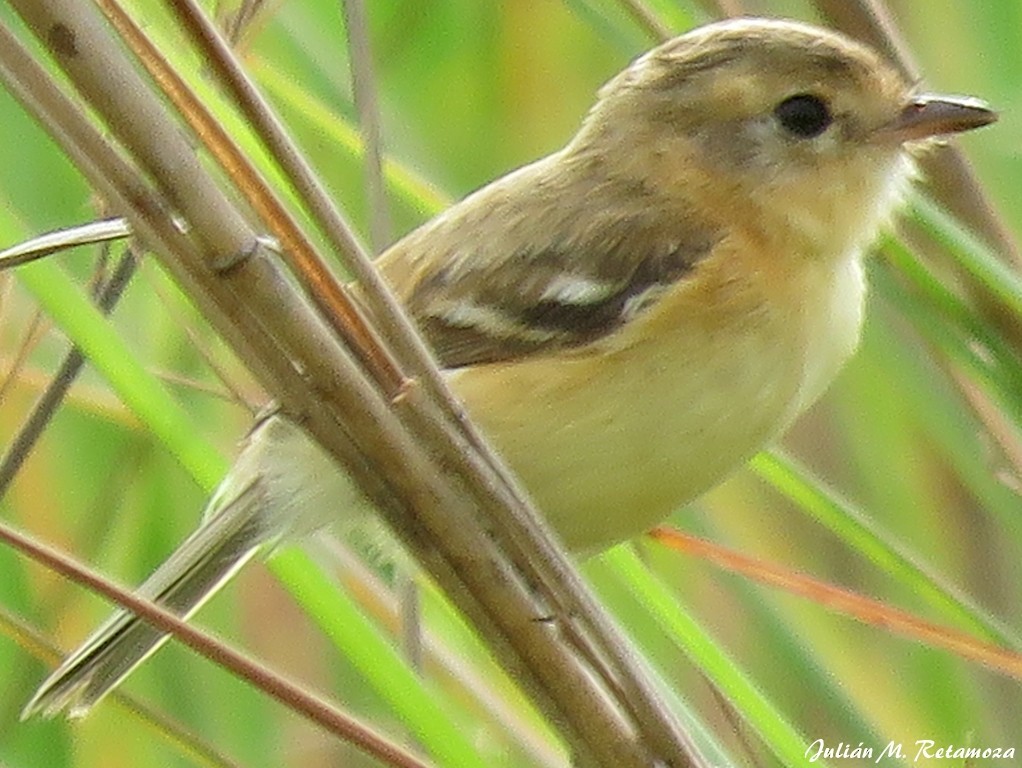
[{"x": 199, "y": 567}]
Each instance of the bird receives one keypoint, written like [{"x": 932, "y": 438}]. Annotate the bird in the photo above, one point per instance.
[{"x": 627, "y": 320}]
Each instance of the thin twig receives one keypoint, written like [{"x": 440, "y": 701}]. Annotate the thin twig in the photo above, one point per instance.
[
  {"x": 363, "y": 88},
  {"x": 30, "y": 336},
  {"x": 38, "y": 645},
  {"x": 19, "y": 448},
  {"x": 278, "y": 687},
  {"x": 646, "y": 18}
]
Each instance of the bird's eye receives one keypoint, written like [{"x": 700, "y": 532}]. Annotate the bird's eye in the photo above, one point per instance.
[{"x": 804, "y": 116}]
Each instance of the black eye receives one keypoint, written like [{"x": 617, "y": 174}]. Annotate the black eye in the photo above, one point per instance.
[{"x": 804, "y": 116}]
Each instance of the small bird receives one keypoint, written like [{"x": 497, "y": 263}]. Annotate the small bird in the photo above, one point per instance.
[{"x": 627, "y": 320}]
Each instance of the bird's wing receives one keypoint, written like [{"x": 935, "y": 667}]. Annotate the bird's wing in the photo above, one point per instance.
[{"x": 499, "y": 277}]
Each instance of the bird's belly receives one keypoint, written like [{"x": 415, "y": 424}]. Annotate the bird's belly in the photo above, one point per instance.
[{"x": 605, "y": 466}]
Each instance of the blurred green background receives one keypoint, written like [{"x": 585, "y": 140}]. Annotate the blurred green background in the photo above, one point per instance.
[{"x": 912, "y": 435}]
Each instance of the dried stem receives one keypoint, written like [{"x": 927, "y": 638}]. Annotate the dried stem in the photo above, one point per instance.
[
  {"x": 427, "y": 471},
  {"x": 364, "y": 90}
]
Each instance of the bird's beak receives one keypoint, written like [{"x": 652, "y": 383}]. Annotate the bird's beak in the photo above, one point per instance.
[{"x": 928, "y": 116}]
